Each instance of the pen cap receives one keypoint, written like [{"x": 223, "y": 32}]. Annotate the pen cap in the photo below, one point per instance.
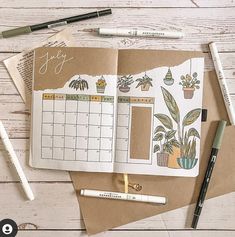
[
  {"x": 219, "y": 134},
  {"x": 17, "y": 31},
  {"x": 105, "y": 12}
]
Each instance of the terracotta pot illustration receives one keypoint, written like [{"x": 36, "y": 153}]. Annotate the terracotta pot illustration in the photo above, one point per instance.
[
  {"x": 124, "y": 89},
  {"x": 100, "y": 89},
  {"x": 145, "y": 87},
  {"x": 162, "y": 159},
  {"x": 172, "y": 160},
  {"x": 188, "y": 93},
  {"x": 187, "y": 163}
]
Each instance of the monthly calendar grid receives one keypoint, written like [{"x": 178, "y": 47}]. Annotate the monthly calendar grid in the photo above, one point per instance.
[{"x": 61, "y": 120}]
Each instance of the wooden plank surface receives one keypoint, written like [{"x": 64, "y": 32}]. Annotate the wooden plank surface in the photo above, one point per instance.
[{"x": 55, "y": 212}]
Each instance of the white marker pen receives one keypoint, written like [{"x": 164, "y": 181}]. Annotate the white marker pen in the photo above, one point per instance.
[
  {"x": 123, "y": 196},
  {"x": 222, "y": 82},
  {"x": 133, "y": 32},
  {"x": 15, "y": 162}
]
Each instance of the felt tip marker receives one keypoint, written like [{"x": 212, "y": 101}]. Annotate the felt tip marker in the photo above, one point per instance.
[
  {"x": 136, "y": 33},
  {"x": 123, "y": 196}
]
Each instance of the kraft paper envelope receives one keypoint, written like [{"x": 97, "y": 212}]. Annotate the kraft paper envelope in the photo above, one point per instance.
[{"x": 100, "y": 214}]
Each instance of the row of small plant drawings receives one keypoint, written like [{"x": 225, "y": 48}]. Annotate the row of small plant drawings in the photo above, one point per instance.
[
  {"x": 176, "y": 148},
  {"x": 189, "y": 83}
]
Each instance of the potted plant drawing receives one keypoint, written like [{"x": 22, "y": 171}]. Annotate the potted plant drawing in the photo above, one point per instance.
[
  {"x": 189, "y": 84},
  {"x": 79, "y": 83},
  {"x": 186, "y": 138},
  {"x": 166, "y": 141},
  {"x": 100, "y": 85},
  {"x": 144, "y": 82},
  {"x": 168, "y": 80},
  {"x": 124, "y": 83}
]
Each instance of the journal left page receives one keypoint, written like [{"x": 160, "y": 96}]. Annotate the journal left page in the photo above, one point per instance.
[{"x": 74, "y": 109}]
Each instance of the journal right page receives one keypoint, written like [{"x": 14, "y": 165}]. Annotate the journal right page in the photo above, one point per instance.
[{"x": 158, "y": 114}]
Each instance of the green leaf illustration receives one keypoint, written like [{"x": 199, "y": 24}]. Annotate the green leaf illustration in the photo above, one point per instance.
[
  {"x": 159, "y": 129},
  {"x": 193, "y": 132},
  {"x": 170, "y": 134},
  {"x": 165, "y": 120},
  {"x": 156, "y": 148},
  {"x": 171, "y": 105},
  {"x": 191, "y": 117},
  {"x": 158, "y": 137},
  {"x": 175, "y": 143}
]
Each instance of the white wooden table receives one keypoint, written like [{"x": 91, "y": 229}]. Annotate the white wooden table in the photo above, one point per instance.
[{"x": 55, "y": 212}]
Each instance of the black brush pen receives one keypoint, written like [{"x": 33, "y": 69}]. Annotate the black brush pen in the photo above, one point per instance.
[
  {"x": 215, "y": 148},
  {"x": 51, "y": 24}
]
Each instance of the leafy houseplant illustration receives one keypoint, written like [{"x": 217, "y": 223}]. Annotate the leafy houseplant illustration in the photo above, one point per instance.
[
  {"x": 100, "y": 85},
  {"x": 168, "y": 80},
  {"x": 124, "y": 83},
  {"x": 186, "y": 139},
  {"x": 189, "y": 84},
  {"x": 166, "y": 140},
  {"x": 79, "y": 83},
  {"x": 144, "y": 82}
]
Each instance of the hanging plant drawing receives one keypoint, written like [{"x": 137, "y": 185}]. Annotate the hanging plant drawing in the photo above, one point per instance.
[
  {"x": 144, "y": 82},
  {"x": 79, "y": 83},
  {"x": 124, "y": 83},
  {"x": 189, "y": 84},
  {"x": 100, "y": 85},
  {"x": 185, "y": 138},
  {"x": 168, "y": 80}
]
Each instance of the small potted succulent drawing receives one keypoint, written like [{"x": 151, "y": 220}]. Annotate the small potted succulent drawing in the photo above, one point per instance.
[
  {"x": 79, "y": 83},
  {"x": 124, "y": 83},
  {"x": 100, "y": 85},
  {"x": 168, "y": 80},
  {"x": 166, "y": 141},
  {"x": 144, "y": 82},
  {"x": 186, "y": 138},
  {"x": 189, "y": 84}
]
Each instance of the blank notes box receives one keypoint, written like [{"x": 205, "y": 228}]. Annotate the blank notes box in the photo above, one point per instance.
[
  {"x": 122, "y": 132},
  {"x": 81, "y": 155},
  {"x": 94, "y": 131},
  {"x": 123, "y": 120},
  {"x": 59, "y": 105},
  {"x": 123, "y": 108},
  {"x": 141, "y": 120},
  {"x": 122, "y": 144},
  {"x": 93, "y": 143},
  {"x": 83, "y": 106},
  {"x": 121, "y": 156}
]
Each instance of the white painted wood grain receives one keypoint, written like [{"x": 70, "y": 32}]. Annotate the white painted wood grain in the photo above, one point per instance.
[
  {"x": 55, "y": 207},
  {"x": 169, "y": 233},
  {"x": 115, "y": 3},
  {"x": 199, "y": 24}
]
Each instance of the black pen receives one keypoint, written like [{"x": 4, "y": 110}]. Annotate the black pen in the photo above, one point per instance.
[
  {"x": 51, "y": 24},
  {"x": 215, "y": 148}
]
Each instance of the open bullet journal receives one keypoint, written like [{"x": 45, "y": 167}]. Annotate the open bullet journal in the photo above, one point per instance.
[{"x": 94, "y": 110}]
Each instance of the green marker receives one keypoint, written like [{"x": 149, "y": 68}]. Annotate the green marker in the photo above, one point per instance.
[{"x": 215, "y": 148}]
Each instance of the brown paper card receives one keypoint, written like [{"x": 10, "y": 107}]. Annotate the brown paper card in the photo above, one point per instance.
[
  {"x": 140, "y": 132},
  {"x": 100, "y": 215}
]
